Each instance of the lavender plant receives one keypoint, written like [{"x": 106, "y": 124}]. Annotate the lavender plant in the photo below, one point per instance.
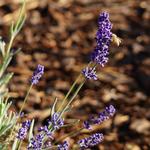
[
  {"x": 12, "y": 133},
  {"x": 8, "y": 119}
]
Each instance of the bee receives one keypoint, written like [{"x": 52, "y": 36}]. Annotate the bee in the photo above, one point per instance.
[{"x": 116, "y": 40}]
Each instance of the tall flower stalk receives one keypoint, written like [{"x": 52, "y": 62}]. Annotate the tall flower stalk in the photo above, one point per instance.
[{"x": 98, "y": 57}]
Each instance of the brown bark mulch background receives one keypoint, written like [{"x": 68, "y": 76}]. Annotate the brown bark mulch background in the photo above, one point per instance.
[{"x": 60, "y": 35}]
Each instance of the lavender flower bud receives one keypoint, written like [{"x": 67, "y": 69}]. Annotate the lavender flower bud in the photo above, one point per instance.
[
  {"x": 87, "y": 125},
  {"x": 105, "y": 115},
  {"x": 89, "y": 73},
  {"x": 37, "y": 74},
  {"x": 47, "y": 132},
  {"x": 56, "y": 121},
  {"x": 110, "y": 110}
]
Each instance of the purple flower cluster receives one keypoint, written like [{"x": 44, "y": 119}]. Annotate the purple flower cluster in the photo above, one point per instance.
[
  {"x": 91, "y": 141},
  {"x": 103, "y": 39},
  {"x": 46, "y": 131},
  {"x": 23, "y": 130},
  {"x": 105, "y": 115},
  {"x": 64, "y": 146},
  {"x": 36, "y": 143},
  {"x": 37, "y": 74},
  {"x": 56, "y": 121},
  {"x": 98, "y": 137},
  {"x": 89, "y": 73}
]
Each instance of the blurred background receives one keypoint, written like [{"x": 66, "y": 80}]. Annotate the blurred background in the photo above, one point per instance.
[{"x": 59, "y": 34}]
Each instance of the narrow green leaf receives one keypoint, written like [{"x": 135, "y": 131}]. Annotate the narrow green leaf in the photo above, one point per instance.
[
  {"x": 53, "y": 107},
  {"x": 5, "y": 79},
  {"x": 4, "y": 129},
  {"x": 15, "y": 144},
  {"x": 12, "y": 29},
  {"x": 31, "y": 130}
]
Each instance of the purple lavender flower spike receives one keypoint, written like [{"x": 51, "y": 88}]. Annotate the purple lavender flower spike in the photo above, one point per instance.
[
  {"x": 37, "y": 74},
  {"x": 22, "y": 133},
  {"x": 91, "y": 141},
  {"x": 36, "y": 143},
  {"x": 23, "y": 130},
  {"x": 89, "y": 73},
  {"x": 64, "y": 146},
  {"x": 56, "y": 121},
  {"x": 103, "y": 39},
  {"x": 105, "y": 115},
  {"x": 47, "y": 132}
]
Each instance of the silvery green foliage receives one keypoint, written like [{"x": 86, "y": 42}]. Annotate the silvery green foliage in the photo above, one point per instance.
[
  {"x": 7, "y": 53},
  {"x": 2, "y": 47},
  {"x": 7, "y": 119}
]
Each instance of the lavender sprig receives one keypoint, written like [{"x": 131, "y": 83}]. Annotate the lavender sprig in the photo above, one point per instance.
[
  {"x": 103, "y": 116},
  {"x": 56, "y": 121},
  {"x": 37, "y": 74},
  {"x": 91, "y": 141},
  {"x": 89, "y": 73},
  {"x": 23, "y": 130},
  {"x": 103, "y": 39},
  {"x": 36, "y": 143}
]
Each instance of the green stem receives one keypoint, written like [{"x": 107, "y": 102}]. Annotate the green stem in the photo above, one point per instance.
[
  {"x": 72, "y": 98},
  {"x": 19, "y": 145},
  {"x": 9, "y": 45},
  {"x": 25, "y": 99},
  {"x": 7, "y": 58},
  {"x": 73, "y": 85}
]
